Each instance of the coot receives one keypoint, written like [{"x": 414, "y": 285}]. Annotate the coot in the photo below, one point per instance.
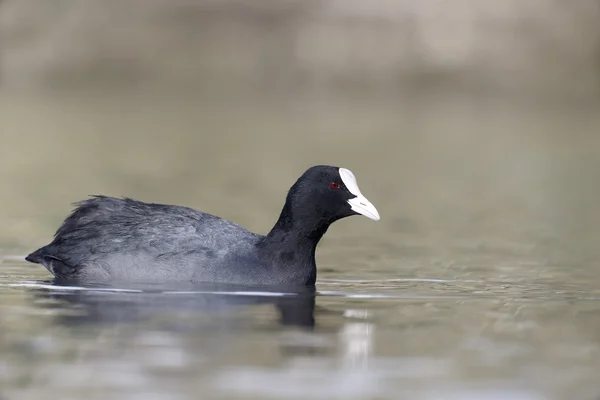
[{"x": 108, "y": 239}]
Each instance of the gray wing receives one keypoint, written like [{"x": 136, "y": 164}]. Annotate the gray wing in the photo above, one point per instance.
[{"x": 122, "y": 239}]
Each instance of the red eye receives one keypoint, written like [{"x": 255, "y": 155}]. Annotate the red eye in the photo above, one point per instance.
[{"x": 334, "y": 185}]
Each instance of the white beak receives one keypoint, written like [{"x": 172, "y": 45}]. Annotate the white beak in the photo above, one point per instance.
[
  {"x": 361, "y": 205},
  {"x": 358, "y": 204}
]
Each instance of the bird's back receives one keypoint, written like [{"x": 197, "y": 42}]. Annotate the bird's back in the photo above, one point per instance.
[{"x": 110, "y": 239}]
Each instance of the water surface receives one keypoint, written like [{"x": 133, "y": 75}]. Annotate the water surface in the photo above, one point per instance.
[{"x": 481, "y": 280}]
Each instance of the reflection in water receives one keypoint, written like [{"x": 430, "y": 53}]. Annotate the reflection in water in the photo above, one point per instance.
[
  {"x": 119, "y": 305},
  {"x": 357, "y": 339},
  {"x": 142, "y": 341}
]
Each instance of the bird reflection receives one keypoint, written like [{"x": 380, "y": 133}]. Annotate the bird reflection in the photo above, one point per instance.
[{"x": 194, "y": 306}]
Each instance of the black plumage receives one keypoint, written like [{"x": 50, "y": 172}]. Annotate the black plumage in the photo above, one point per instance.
[{"x": 108, "y": 239}]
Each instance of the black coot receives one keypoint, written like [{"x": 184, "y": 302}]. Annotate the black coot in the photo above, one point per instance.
[{"x": 107, "y": 239}]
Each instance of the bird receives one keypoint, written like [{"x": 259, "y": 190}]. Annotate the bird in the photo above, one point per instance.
[{"x": 108, "y": 240}]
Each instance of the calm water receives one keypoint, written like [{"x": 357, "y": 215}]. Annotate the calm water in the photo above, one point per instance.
[{"x": 480, "y": 282}]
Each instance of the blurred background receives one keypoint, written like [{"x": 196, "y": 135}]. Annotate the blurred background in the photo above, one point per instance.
[
  {"x": 472, "y": 125},
  {"x": 212, "y": 102}
]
